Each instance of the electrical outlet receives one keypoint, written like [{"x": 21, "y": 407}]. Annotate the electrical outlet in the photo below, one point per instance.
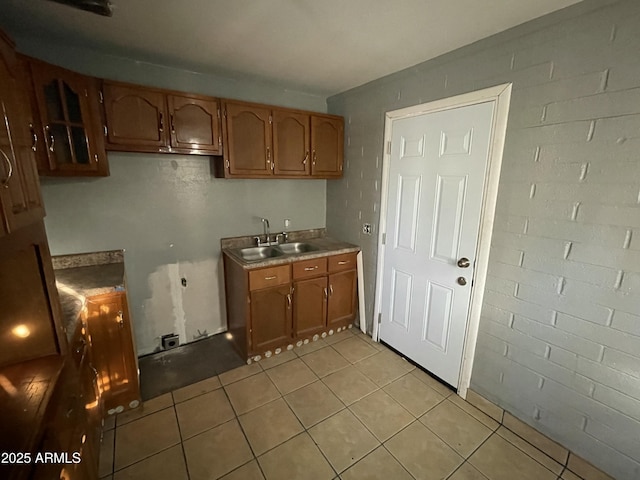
[{"x": 367, "y": 229}]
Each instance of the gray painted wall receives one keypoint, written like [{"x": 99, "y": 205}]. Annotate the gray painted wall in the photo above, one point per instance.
[
  {"x": 167, "y": 211},
  {"x": 559, "y": 342}
]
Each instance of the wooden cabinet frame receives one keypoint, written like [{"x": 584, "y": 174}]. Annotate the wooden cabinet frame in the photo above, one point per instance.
[
  {"x": 145, "y": 119},
  {"x": 273, "y": 307},
  {"x": 82, "y": 137},
  {"x": 272, "y": 142}
]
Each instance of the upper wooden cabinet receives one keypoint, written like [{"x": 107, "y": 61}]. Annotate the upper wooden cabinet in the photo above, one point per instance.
[
  {"x": 327, "y": 146},
  {"x": 291, "y": 143},
  {"x": 195, "y": 123},
  {"x": 135, "y": 117},
  {"x": 266, "y": 142},
  {"x": 247, "y": 136},
  {"x": 67, "y": 130},
  {"x": 20, "y": 199},
  {"x": 140, "y": 119}
]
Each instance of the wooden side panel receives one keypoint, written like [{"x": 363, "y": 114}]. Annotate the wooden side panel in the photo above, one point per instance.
[
  {"x": 113, "y": 350},
  {"x": 236, "y": 284},
  {"x": 28, "y": 329}
]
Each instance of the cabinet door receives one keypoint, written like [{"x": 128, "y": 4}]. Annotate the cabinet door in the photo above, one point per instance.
[
  {"x": 327, "y": 146},
  {"x": 68, "y": 108},
  {"x": 342, "y": 298},
  {"x": 309, "y": 306},
  {"x": 291, "y": 154},
  {"x": 271, "y": 318},
  {"x": 247, "y": 141},
  {"x": 20, "y": 199},
  {"x": 195, "y": 124},
  {"x": 135, "y": 117},
  {"x": 112, "y": 351}
]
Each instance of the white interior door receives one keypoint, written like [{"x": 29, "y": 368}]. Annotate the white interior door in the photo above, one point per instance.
[{"x": 436, "y": 178}]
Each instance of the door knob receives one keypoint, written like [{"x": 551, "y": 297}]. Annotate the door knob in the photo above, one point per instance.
[
  {"x": 464, "y": 262},
  {"x": 462, "y": 281}
]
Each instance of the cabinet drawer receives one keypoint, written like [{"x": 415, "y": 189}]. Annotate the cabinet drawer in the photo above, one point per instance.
[
  {"x": 310, "y": 268},
  {"x": 269, "y": 277},
  {"x": 339, "y": 263}
]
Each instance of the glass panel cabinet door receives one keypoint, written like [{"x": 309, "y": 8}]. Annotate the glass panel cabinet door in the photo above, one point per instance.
[{"x": 68, "y": 108}]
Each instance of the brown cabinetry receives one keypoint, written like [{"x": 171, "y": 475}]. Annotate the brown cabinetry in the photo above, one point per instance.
[
  {"x": 291, "y": 143},
  {"x": 266, "y": 142},
  {"x": 141, "y": 119},
  {"x": 20, "y": 199},
  {"x": 67, "y": 130},
  {"x": 343, "y": 282},
  {"x": 112, "y": 351},
  {"x": 272, "y": 307},
  {"x": 327, "y": 146},
  {"x": 247, "y": 136}
]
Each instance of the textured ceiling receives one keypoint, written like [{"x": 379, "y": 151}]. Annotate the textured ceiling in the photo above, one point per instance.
[{"x": 318, "y": 46}]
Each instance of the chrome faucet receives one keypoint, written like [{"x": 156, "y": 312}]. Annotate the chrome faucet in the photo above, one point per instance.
[{"x": 265, "y": 229}]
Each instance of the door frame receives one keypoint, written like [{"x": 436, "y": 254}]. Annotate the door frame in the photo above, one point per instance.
[{"x": 501, "y": 95}]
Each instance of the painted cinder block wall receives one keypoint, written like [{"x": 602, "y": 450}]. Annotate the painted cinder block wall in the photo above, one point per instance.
[
  {"x": 167, "y": 211},
  {"x": 559, "y": 340}
]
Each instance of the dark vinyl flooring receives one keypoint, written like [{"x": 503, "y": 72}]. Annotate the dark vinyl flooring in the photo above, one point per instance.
[{"x": 168, "y": 370}]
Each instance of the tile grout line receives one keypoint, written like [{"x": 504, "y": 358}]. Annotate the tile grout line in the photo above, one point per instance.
[{"x": 184, "y": 453}]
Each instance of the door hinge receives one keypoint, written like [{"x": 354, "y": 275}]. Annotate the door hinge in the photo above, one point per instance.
[
  {"x": 389, "y": 147},
  {"x": 384, "y": 238},
  {"x": 379, "y": 318}
]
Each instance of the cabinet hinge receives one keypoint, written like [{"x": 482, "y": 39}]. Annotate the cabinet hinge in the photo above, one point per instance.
[
  {"x": 218, "y": 113},
  {"x": 227, "y": 161},
  {"x": 270, "y": 119},
  {"x": 86, "y": 93},
  {"x": 225, "y": 113},
  {"x": 219, "y": 140},
  {"x": 384, "y": 238},
  {"x": 379, "y": 318},
  {"x": 389, "y": 147},
  {"x": 106, "y": 131},
  {"x": 101, "y": 95}
]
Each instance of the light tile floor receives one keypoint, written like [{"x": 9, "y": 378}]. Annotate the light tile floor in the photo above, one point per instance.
[{"x": 343, "y": 407}]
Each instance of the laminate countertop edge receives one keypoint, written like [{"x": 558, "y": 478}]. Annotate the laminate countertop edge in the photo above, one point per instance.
[{"x": 81, "y": 276}]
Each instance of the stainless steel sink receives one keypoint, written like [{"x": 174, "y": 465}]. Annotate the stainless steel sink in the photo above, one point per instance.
[
  {"x": 297, "y": 247},
  {"x": 254, "y": 254}
]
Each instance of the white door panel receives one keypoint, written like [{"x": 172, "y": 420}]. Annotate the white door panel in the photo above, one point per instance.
[{"x": 436, "y": 181}]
